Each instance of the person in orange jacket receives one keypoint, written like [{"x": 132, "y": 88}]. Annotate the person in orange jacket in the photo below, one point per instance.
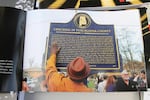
[{"x": 77, "y": 71}]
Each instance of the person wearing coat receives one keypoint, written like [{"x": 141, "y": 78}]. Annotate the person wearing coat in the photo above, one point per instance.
[
  {"x": 125, "y": 84},
  {"x": 78, "y": 70}
]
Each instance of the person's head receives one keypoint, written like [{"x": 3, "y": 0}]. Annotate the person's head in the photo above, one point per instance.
[
  {"x": 111, "y": 80},
  {"x": 105, "y": 77},
  {"x": 78, "y": 69},
  {"x": 142, "y": 74},
  {"x": 134, "y": 74},
  {"x": 25, "y": 79},
  {"x": 125, "y": 75}
]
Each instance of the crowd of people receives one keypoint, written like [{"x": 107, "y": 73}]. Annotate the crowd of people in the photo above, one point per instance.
[{"x": 123, "y": 82}]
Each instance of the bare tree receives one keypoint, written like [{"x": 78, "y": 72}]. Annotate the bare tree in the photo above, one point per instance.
[
  {"x": 127, "y": 49},
  {"x": 31, "y": 61}
]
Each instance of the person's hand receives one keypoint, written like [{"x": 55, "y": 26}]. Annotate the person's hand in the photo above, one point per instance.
[{"x": 54, "y": 48}]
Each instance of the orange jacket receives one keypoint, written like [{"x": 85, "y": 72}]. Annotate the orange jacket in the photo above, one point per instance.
[{"x": 59, "y": 82}]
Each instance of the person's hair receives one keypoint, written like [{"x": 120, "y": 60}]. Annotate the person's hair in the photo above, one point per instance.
[
  {"x": 142, "y": 71},
  {"x": 105, "y": 77},
  {"x": 110, "y": 80},
  {"x": 25, "y": 79}
]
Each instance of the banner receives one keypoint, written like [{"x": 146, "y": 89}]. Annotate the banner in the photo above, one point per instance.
[{"x": 61, "y": 4}]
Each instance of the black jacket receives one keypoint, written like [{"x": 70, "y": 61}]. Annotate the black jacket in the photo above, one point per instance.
[{"x": 122, "y": 86}]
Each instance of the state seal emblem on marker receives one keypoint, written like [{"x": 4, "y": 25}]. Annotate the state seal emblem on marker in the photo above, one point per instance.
[{"x": 82, "y": 20}]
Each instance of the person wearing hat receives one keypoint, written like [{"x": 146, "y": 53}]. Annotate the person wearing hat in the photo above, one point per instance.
[
  {"x": 124, "y": 83},
  {"x": 77, "y": 71}
]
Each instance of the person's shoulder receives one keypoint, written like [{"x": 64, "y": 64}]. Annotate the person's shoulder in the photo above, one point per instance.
[
  {"x": 119, "y": 79},
  {"x": 133, "y": 82},
  {"x": 99, "y": 83}
]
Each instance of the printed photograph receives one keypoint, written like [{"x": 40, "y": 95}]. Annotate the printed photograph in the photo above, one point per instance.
[{"x": 87, "y": 51}]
